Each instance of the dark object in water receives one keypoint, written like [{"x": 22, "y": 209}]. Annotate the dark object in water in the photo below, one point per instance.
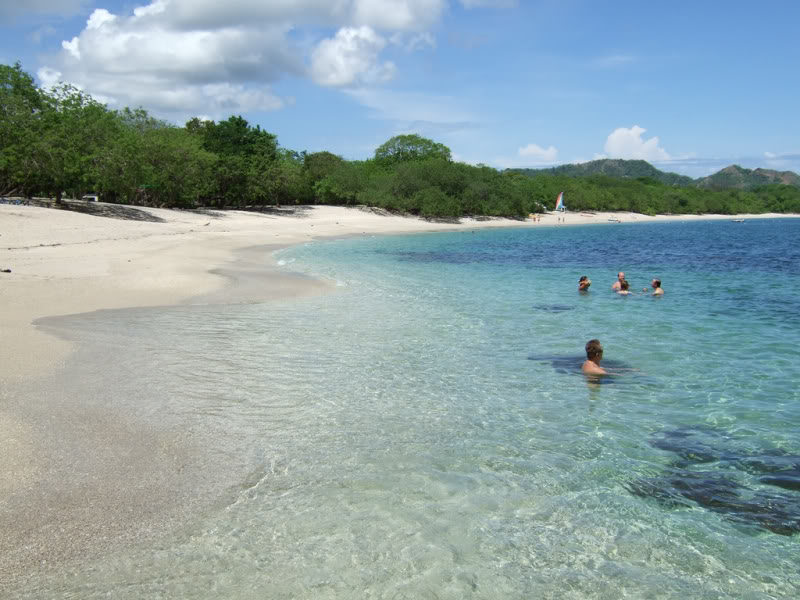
[
  {"x": 720, "y": 489},
  {"x": 774, "y": 512},
  {"x": 785, "y": 481},
  {"x": 554, "y": 308}
]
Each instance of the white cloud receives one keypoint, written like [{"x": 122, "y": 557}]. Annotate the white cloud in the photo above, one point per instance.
[
  {"x": 537, "y": 154},
  {"x": 770, "y": 155},
  {"x": 184, "y": 57},
  {"x": 628, "y": 143},
  {"x": 48, "y": 77},
  {"x": 351, "y": 57}
]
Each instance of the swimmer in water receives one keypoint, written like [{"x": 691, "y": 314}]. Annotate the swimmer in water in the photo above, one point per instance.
[
  {"x": 583, "y": 284},
  {"x": 618, "y": 283},
  {"x": 624, "y": 288},
  {"x": 594, "y": 354},
  {"x": 657, "y": 291}
]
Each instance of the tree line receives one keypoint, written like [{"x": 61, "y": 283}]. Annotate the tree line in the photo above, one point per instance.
[{"x": 61, "y": 141}]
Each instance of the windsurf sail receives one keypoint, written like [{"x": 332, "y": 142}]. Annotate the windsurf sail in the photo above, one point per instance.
[{"x": 560, "y": 202}]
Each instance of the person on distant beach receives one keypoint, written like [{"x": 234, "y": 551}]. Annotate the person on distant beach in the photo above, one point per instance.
[
  {"x": 657, "y": 291},
  {"x": 583, "y": 283},
  {"x": 618, "y": 283},
  {"x": 594, "y": 354},
  {"x": 624, "y": 288}
]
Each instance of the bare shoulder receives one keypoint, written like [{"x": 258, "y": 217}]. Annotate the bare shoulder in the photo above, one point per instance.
[{"x": 590, "y": 368}]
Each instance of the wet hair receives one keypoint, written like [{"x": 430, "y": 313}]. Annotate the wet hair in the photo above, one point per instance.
[
  {"x": 656, "y": 283},
  {"x": 593, "y": 349},
  {"x": 583, "y": 278},
  {"x": 624, "y": 285}
]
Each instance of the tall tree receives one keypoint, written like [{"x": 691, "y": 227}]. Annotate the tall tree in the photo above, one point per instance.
[{"x": 402, "y": 148}]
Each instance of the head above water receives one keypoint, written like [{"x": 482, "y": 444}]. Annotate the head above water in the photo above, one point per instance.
[
  {"x": 656, "y": 283},
  {"x": 594, "y": 350},
  {"x": 624, "y": 285},
  {"x": 621, "y": 275}
]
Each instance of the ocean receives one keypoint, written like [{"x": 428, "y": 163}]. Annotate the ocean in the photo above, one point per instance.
[{"x": 425, "y": 431}]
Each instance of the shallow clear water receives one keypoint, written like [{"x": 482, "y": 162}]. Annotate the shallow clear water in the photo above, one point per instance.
[{"x": 425, "y": 432}]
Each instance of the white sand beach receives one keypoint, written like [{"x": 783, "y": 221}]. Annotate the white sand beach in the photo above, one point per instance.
[{"x": 64, "y": 262}]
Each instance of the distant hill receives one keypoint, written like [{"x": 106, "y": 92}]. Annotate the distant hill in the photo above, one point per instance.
[
  {"x": 613, "y": 167},
  {"x": 733, "y": 177},
  {"x": 744, "y": 179}
]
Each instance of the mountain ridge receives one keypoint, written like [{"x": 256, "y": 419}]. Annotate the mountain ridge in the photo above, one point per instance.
[{"x": 732, "y": 176}]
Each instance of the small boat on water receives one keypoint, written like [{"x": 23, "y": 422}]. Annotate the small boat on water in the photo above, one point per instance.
[
  {"x": 737, "y": 220},
  {"x": 614, "y": 220}
]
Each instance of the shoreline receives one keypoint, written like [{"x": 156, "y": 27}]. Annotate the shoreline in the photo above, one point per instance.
[{"x": 66, "y": 263}]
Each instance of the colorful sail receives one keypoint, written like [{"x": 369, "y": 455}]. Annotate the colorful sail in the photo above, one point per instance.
[{"x": 560, "y": 202}]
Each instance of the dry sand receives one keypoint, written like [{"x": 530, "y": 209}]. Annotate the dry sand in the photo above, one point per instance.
[{"x": 77, "y": 481}]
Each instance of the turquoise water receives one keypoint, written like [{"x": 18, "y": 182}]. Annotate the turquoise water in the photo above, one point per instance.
[{"x": 425, "y": 433}]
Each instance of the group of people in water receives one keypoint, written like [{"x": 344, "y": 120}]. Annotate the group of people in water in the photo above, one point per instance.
[
  {"x": 621, "y": 285},
  {"x": 594, "y": 349}
]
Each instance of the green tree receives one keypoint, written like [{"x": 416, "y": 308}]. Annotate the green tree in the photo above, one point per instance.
[
  {"x": 402, "y": 148},
  {"x": 21, "y": 106}
]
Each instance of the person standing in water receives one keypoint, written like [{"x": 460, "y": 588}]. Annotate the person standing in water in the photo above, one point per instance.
[
  {"x": 583, "y": 284},
  {"x": 624, "y": 288},
  {"x": 618, "y": 283},
  {"x": 594, "y": 354}
]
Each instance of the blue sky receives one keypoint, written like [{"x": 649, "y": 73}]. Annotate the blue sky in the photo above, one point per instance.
[{"x": 690, "y": 86}]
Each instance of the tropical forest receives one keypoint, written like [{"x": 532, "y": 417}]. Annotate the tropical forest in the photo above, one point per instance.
[{"x": 61, "y": 143}]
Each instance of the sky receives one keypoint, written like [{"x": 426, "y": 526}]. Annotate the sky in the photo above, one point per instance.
[{"x": 689, "y": 86}]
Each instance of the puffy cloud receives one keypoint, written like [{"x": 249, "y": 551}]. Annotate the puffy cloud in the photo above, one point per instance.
[
  {"x": 185, "y": 57},
  {"x": 137, "y": 60},
  {"x": 350, "y": 57},
  {"x": 628, "y": 143},
  {"x": 537, "y": 154},
  {"x": 48, "y": 77}
]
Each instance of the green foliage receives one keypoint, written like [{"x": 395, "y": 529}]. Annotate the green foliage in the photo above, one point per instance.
[
  {"x": 403, "y": 148},
  {"x": 61, "y": 140}
]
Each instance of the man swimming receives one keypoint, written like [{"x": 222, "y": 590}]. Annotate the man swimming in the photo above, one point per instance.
[
  {"x": 618, "y": 283},
  {"x": 594, "y": 354},
  {"x": 657, "y": 291}
]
